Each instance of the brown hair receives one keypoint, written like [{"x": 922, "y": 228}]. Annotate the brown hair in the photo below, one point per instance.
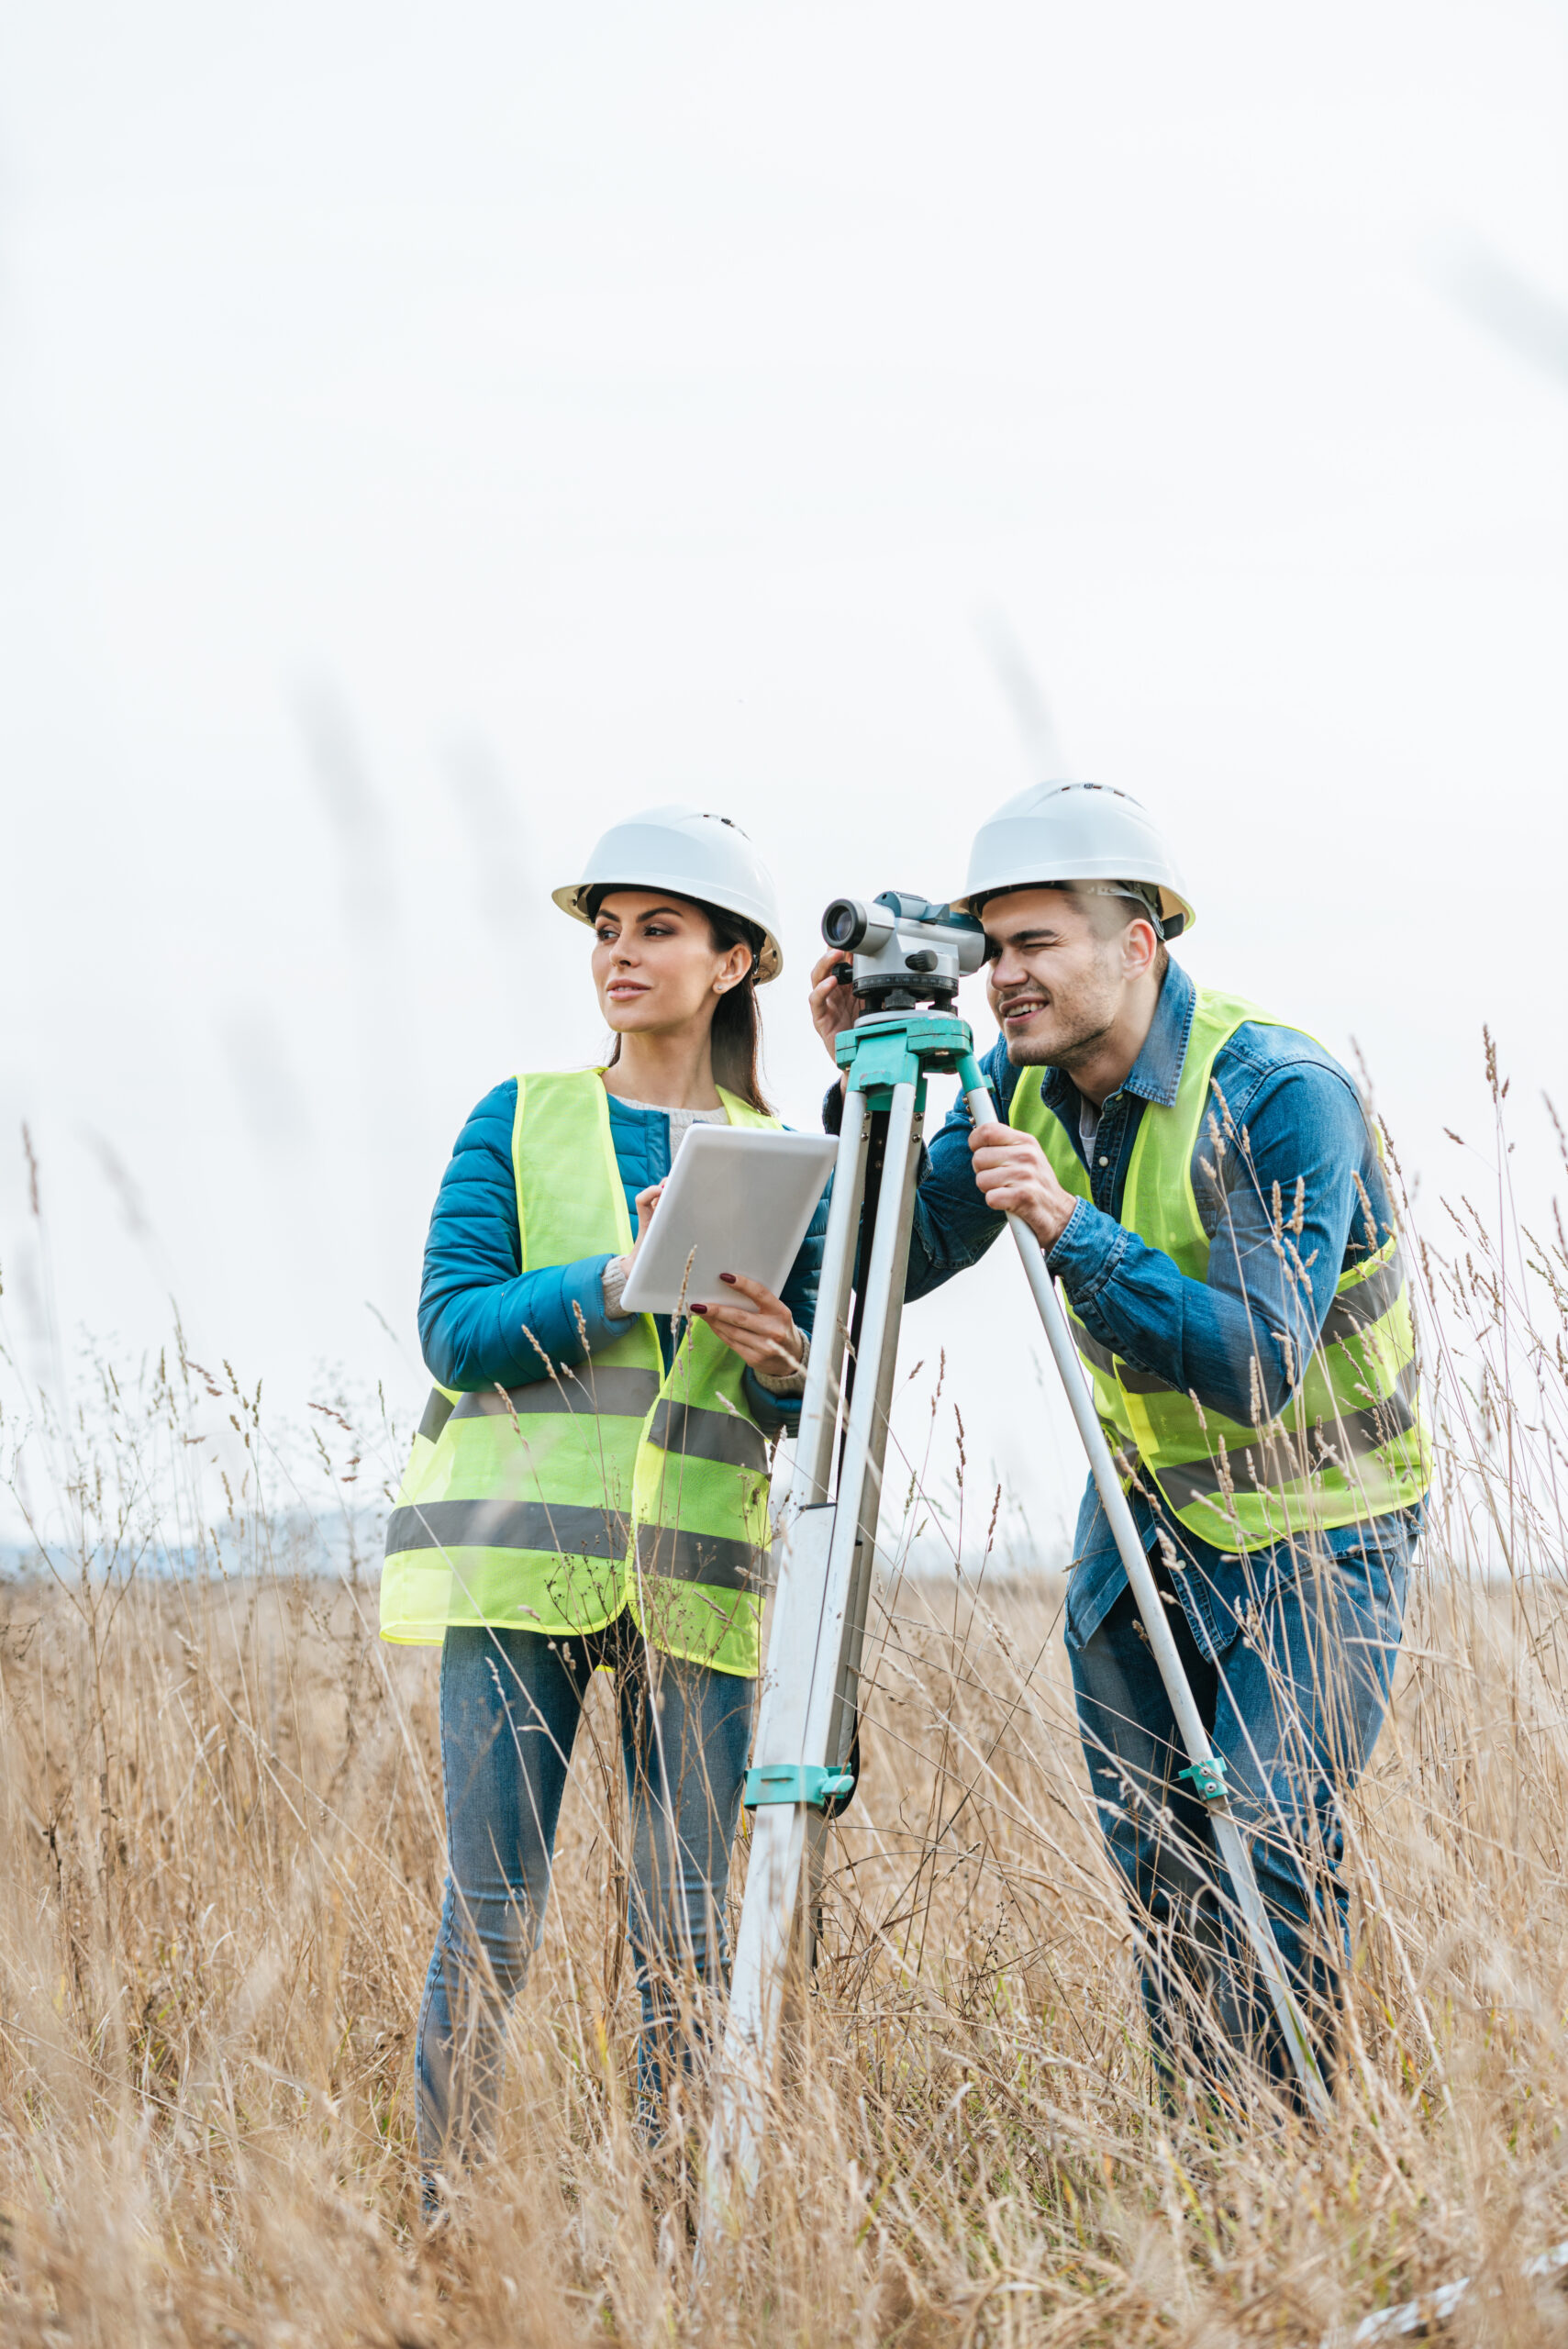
[
  {"x": 1109, "y": 916},
  {"x": 736, "y": 1036}
]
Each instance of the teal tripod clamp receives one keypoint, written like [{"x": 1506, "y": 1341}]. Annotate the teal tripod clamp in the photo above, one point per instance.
[
  {"x": 1208, "y": 1779},
  {"x": 891, "y": 1048},
  {"x": 806, "y": 1782}
]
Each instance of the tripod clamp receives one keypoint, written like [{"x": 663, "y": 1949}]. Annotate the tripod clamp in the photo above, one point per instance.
[
  {"x": 1208, "y": 1778},
  {"x": 804, "y": 1782},
  {"x": 887, "y": 1048}
]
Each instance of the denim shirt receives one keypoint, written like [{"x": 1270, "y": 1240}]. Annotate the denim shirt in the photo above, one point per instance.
[{"x": 1298, "y": 1145}]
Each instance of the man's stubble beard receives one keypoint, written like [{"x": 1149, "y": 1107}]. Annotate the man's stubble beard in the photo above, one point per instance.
[{"x": 1070, "y": 1052}]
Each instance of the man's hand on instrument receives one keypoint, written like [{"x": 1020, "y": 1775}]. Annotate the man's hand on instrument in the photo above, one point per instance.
[
  {"x": 1017, "y": 1179},
  {"x": 767, "y": 1339},
  {"x": 834, "y": 1006}
]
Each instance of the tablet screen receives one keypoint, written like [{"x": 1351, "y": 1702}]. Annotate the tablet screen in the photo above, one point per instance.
[{"x": 738, "y": 1199}]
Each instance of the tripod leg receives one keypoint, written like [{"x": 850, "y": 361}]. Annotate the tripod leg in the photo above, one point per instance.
[
  {"x": 778, "y": 1830},
  {"x": 840, "y": 1736},
  {"x": 859, "y": 1470},
  {"x": 1228, "y": 1834},
  {"x": 798, "y": 1604},
  {"x": 818, "y": 1831},
  {"x": 846, "y": 1705},
  {"x": 819, "y": 1405},
  {"x": 807, "y": 1643}
]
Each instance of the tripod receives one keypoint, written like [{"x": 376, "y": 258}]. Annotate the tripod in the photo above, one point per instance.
[{"x": 807, "y": 1728}]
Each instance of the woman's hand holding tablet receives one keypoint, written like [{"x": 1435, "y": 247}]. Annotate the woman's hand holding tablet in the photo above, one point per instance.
[
  {"x": 730, "y": 1219},
  {"x": 762, "y": 1329}
]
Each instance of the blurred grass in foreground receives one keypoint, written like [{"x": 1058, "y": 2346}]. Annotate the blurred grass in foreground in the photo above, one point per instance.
[{"x": 220, "y": 1867}]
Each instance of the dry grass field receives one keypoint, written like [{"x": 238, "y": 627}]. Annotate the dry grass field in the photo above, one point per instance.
[{"x": 220, "y": 1866}]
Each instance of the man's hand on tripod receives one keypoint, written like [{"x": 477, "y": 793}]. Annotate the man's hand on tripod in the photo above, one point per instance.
[
  {"x": 834, "y": 1006},
  {"x": 1016, "y": 1177}
]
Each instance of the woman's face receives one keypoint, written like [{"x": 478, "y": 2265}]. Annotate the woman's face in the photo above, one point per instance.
[{"x": 655, "y": 965}]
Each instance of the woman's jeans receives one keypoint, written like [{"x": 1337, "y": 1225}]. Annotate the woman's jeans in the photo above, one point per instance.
[
  {"x": 1293, "y": 1701},
  {"x": 510, "y": 1705}
]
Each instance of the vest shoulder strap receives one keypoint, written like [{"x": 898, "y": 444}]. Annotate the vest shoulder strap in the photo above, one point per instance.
[
  {"x": 569, "y": 1199},
  {"x": 740, "y": 1113}
]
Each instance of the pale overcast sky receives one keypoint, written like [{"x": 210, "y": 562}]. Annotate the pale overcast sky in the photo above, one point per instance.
[{"x": 428, "y": 433}]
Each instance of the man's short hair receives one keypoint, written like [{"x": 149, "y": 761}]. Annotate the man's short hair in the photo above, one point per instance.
[{"x": 1110, "y": 905}]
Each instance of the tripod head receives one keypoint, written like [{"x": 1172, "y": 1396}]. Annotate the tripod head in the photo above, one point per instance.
[{"x": 906, "y": 951}]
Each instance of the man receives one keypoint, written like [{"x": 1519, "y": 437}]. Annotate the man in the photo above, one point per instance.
[{"x": 1210, "y": 1197}]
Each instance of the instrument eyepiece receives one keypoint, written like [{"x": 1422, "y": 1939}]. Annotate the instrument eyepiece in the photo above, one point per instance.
[{"x": 844, "y": 923}]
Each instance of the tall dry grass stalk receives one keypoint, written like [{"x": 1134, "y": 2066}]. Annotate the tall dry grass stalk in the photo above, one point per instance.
[{"x": 220, "y": 1806}]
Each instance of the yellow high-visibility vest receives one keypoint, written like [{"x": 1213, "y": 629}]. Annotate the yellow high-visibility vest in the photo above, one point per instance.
[
  {"x": 1351, "y": 1444},
  {"x": 553, "y": 1507}
]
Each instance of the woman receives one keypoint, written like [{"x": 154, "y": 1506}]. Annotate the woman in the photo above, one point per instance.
[{"x": 589, "y": 1489}]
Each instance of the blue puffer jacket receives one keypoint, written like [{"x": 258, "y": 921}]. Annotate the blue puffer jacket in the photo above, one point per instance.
[{"x": 475, "y": 1304}]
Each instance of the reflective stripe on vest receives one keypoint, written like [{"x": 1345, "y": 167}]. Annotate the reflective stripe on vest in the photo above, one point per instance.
[
  {"x": 1351, "y": 1444},
  {"x": 609, "y": 1483}
]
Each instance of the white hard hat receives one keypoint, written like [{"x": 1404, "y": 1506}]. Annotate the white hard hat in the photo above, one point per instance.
[
  {"x": 1075, "y": 832},
  {"x": 692, "y": 855}
]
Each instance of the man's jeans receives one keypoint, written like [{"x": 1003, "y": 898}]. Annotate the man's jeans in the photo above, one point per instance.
[
  {"x": 510, "y": 1705},
  {"x": 1294, "y": 1703}
]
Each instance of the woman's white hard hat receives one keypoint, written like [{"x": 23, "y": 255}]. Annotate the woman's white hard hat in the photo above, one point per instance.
[
  {"x": 1088, "y": 832},
  {"x": 692, "y": 855}
]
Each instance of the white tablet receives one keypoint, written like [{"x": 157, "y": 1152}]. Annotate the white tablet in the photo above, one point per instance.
[{"x": 738, "y": 1199}]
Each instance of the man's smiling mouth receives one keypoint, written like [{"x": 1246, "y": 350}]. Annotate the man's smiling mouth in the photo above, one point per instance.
[{"x": 1022, "y": 1007}]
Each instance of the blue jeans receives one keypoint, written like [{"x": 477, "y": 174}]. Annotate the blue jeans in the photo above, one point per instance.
[
  {"x": 510, "y": 1705},
  {"x": 1294, "y": 1701}
]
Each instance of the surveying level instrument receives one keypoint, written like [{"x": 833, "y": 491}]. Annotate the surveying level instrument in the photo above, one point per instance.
[
  {"x": 909, "y": 957},
  {"x": 906, "y": 951}
]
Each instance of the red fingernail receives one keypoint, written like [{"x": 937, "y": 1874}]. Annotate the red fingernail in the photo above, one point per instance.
[
  {"x": 728, "y": 1277},
  {"x": 699, "y": 1308}
]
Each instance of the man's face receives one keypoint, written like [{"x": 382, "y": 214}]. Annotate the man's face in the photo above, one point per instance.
[{"x": 1055, "y": 985}]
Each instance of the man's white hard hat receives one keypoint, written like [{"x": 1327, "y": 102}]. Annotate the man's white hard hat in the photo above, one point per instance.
[
  {"x": 692, "y": 855},
  {"x": 1087, "y": 832}
]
